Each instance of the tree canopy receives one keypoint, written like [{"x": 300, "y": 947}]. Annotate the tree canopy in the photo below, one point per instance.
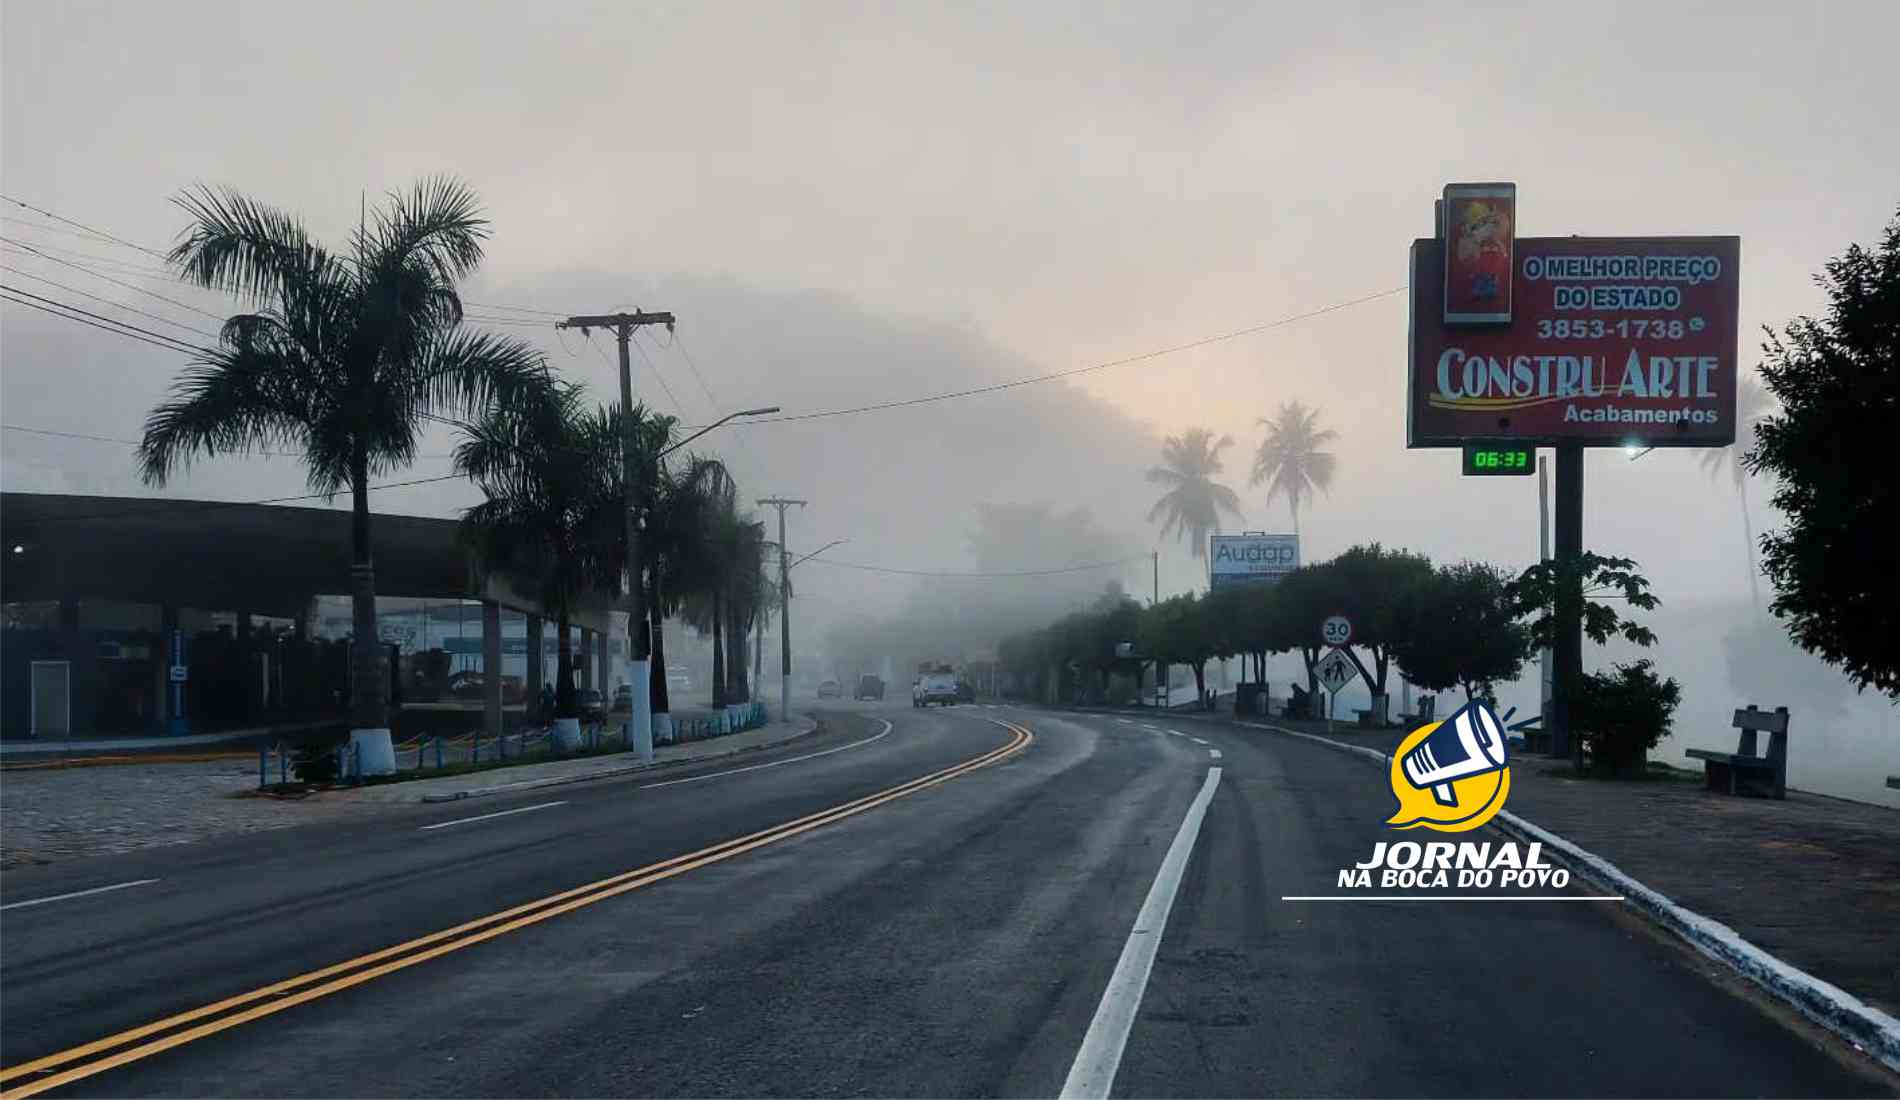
[{"x": 1837, "y": 379}]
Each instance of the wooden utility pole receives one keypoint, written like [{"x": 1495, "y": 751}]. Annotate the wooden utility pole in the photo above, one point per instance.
[
  {"x": 639, "y": 713},
  {"x": 784, "y": 608}
]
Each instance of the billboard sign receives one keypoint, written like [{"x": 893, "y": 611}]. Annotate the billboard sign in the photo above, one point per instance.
[
  {"x": 1239, "y": 559},
  {"x": 1480, "y": 230},
  {"x": 1611, "y": 341}
]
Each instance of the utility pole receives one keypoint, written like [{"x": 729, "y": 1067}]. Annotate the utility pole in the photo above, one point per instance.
[
  {"x": 1567, "y": 646},
  {"x": 784, "y": 608},
  {"x": 1161, "y": 670},
  {"x": 1543, "y": 554},
  {"x": 640, "y": 712}
]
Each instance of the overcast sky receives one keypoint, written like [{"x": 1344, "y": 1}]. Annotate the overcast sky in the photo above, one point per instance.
[{"x": 850, "y": 203}]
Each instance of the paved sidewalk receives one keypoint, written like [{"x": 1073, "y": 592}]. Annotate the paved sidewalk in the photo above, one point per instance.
[
  {"x": 527, "y": 776},
  {"x": 1813, "y": 880}
]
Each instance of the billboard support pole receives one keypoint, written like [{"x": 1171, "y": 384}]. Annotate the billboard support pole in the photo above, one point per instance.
[{"x": 1567, "y": 645}]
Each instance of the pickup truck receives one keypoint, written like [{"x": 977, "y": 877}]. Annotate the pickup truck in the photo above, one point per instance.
[{"x": 934, "y": 687}]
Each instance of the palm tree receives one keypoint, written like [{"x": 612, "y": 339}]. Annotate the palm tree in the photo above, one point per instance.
[
  {"x": 1194, "y": 500},
  {"x": 675, "y": 544},
  {"x": 1752, "y": 403},
  {"x": 1290, "y": 459},
  {"x": 343, "y": 357},
  {"x": 549, "y": 467},
  {"x": 726, "y": 590}
]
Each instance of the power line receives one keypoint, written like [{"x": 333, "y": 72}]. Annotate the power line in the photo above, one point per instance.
[
  {"x": 157, "y": 340},
  {"x": 79, "y": 225},
  {"x": 1072, "y": 372},
  {"x": 123, "y": 267},
  {"x": 655, "y": 371},
  {"x": 135, "y": 443},
  {"x": 107, "y": 301},
  {"x": 1000, "y": 574},
  {"x": 119, "y": 282}
]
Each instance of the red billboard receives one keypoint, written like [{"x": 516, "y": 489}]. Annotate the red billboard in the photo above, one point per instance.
[
  {"x": 1480, "y": 228},
  {"x": 1610, "y": 341}
]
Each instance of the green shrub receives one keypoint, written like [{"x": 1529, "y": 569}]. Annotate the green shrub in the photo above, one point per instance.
[{"x": 1622, "y": 714}]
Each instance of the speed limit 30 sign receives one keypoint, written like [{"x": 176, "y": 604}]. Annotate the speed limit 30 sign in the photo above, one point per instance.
[{"x": 1336, "y": 630}]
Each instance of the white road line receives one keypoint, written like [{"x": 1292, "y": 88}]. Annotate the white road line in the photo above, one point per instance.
[
  {"x": 788, "y": 760},
  {"x": 1124, "y": 721},
  {"x": 497, "y": 813},
  {"x": 1176, "y": 733},
  {"x": 1093, "y": 1073},
  {"x": 80, "y": 893},
  {"x": 1197, "y": 740},
  {"x": 1214, "y": 753},
  {"x": 1146, "y": 726}
]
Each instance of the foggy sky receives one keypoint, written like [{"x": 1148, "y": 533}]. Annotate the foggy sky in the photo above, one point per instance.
[{"x": 850, "y": 203}]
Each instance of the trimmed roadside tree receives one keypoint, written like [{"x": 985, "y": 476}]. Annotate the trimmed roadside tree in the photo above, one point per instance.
[{"x": 1459, "y": 629}]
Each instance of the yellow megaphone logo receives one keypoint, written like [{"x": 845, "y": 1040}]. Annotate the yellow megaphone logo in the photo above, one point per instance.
[{"x": 1452, "y": 775}]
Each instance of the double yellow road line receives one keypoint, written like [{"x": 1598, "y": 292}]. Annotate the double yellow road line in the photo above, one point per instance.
[{"x": 146, "y": 1040}]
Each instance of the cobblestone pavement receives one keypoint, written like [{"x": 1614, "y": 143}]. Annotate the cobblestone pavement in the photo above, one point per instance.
[{"x": 60, "y": 814}]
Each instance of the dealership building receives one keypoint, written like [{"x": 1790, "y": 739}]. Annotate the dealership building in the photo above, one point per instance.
[{"x": 130, "y": 615}]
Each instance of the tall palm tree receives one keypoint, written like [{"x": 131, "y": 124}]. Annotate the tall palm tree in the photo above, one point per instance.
[
  {"x": 1194, "y": 500},
  {"x": 1752, "y": 403},
  {"x": 343, "y": 357},
  {"x": 549, "y": 467},
  {"x": 675, "y": 545},
  {"x": 1290, "y": 460},
  {"x": 726, "y": 588}
]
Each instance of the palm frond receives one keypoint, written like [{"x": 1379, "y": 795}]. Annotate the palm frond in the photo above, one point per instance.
[{"x": 237, "y": 244}]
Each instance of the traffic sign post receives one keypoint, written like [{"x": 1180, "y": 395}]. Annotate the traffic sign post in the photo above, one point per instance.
[{"x": 1334, "y": 672}]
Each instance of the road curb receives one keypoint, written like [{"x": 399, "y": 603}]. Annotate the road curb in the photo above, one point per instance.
[
  {"x": 1866, "y": 1027},
  {"x": 811, "y": 727}
]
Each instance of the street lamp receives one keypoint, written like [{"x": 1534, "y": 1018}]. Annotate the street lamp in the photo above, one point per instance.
[
  {"x": 815, "y": 553},
  {"x": 729, "y": 416}
]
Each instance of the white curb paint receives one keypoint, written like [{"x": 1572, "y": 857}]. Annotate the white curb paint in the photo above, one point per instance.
[
  {"x": 1093, "y": 1073},
  {"x": 1213, "y": 754},
  {"x": 79, "y": 893},
  {"x": 497, "y": 813},
  {"x": 1826, "y": 1004}
]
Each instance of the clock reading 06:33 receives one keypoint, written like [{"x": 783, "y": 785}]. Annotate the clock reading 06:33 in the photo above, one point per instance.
[{"x": 1487, "y": 459}]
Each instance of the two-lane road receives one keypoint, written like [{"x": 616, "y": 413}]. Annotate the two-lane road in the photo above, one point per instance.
[{"x": 910, "y": 903}]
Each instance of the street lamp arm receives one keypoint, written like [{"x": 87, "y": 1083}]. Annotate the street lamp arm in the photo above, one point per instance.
[
  {"x": 715, "y": 424},
  {"x": 796, "y": 562}
]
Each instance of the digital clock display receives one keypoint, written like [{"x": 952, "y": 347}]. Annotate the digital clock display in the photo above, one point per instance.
[{"x": 1485, "y": 460}]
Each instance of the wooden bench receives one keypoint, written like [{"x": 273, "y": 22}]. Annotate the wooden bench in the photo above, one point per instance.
[{"x": 1746, "y": 771}]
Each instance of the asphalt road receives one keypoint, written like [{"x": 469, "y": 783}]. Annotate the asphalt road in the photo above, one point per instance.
[{"x": 949, "y": 938}]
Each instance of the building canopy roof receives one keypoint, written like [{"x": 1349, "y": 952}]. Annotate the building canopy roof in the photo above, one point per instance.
[{"x": 262, "y": 558}]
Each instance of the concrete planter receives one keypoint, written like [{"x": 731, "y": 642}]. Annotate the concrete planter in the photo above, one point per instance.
[
  {"x": 567, "y": 734},
  {"x": 371, "y": 753}
]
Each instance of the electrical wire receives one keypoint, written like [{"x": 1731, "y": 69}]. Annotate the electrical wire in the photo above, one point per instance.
[
  {"x": 157, "y": 340},
  {"x": 951, "y": 574},
  {"x": 80, "y": 225},
  {"x": 107, "y": 301},
  {"x": 658, "y": 377},
  {"x": 120, "y": 282}
]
